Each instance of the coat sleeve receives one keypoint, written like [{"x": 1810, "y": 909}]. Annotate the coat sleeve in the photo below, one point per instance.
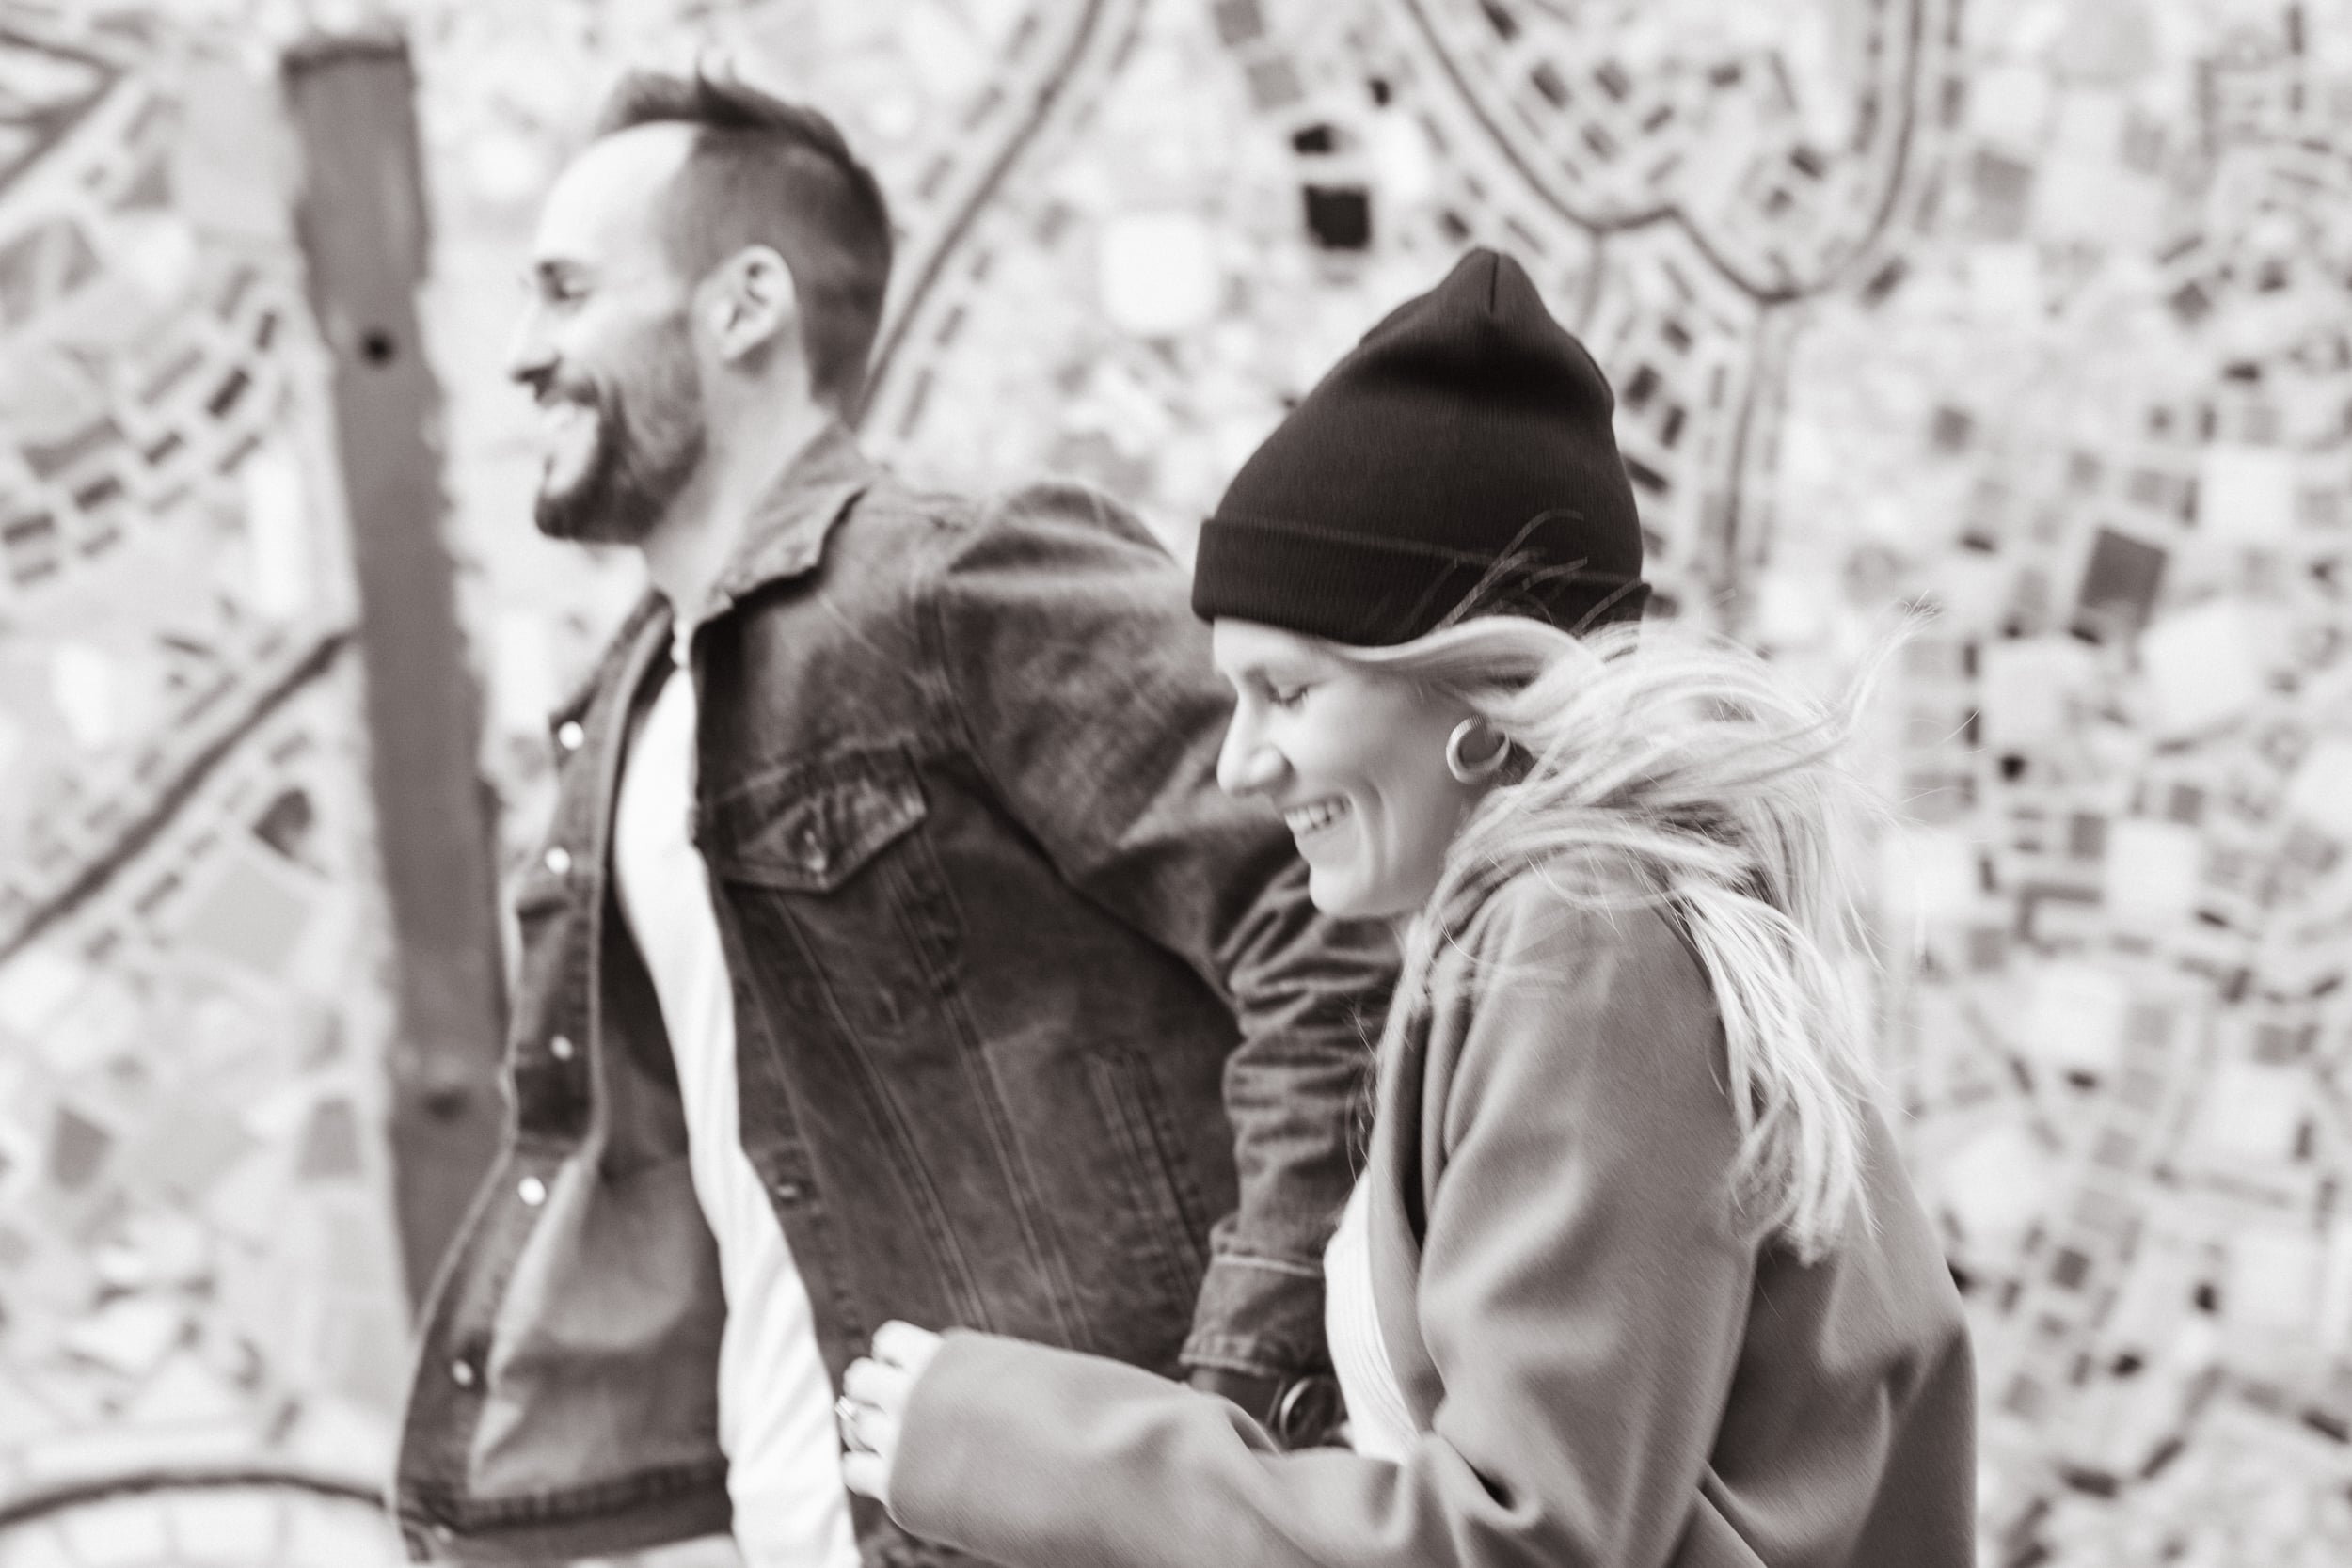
[
  {"x": 1582, "y": 1295},
  {"x": 1082, "y": 686}
]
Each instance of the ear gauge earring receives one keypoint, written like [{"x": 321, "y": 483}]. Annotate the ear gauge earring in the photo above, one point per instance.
[{"x": 1469, "y": 770}]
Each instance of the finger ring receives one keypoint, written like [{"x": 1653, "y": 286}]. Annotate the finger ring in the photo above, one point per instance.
[{"x": 844, "y": 1412}]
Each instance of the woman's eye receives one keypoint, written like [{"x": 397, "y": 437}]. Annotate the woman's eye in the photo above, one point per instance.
[{"x": 1285, "y": 697}]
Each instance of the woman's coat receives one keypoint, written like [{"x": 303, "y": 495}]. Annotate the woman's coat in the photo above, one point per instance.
[{"x": 1605, "y": 1369}]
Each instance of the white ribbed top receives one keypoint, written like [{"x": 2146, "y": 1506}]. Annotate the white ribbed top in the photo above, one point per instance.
[{"x": 1379, "y": 1423}]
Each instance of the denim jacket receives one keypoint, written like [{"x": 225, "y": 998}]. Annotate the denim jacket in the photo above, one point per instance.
[{"x": 1036, "y": 1032}]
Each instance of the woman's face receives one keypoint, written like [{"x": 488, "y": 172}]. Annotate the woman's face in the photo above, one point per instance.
[{"x": 1353, "y": 758}]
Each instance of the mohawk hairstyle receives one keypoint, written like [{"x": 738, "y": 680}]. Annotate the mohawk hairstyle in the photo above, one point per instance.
[{"x": 765, "y": 171}]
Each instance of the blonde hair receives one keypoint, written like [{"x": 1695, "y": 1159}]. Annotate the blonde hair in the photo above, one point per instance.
[{"x": 1657, "y": 765}]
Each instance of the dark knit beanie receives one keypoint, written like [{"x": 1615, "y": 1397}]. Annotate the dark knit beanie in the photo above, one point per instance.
[{"x": 1459, "y": 460}]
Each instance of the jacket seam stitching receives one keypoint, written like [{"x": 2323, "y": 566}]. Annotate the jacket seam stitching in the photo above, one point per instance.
[
  {"x": 1270, "y": 1265},
  {"x": 930, "y": 588}
]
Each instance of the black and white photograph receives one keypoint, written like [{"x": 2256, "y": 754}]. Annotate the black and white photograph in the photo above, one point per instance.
[{"x": 1176, "y": 784}]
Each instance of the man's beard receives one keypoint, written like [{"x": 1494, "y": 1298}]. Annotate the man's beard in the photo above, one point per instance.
[{"x": 643, "y": 457}]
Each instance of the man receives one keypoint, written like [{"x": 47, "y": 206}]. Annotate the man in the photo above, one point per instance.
[{"x": 892, "y": 953}]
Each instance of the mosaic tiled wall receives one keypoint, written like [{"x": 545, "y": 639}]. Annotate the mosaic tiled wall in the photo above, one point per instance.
[
  {"x": 2029, "y": 309},
  {"x": 196, "y": 1257}
]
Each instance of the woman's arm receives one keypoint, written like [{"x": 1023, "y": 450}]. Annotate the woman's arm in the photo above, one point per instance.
[{"x": 1582, "y": 1297}]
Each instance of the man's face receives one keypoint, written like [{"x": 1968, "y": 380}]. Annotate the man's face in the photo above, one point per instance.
[{"x": 605, "y": 346}]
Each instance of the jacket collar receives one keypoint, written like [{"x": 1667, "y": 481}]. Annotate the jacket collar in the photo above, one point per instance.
[
  {"x": 784, "y": 537},
  {"x": 785, "y": 533}
]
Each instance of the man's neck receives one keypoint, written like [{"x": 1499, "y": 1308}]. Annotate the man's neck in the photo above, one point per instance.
[{"x": 698, "y": 536}]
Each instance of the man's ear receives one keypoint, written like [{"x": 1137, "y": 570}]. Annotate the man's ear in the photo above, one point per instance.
[{"x": 750, "y": 304}]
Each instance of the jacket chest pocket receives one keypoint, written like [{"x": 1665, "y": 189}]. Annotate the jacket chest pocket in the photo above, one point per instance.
[
  {"x": 836, "y": 896},
  {"x": 811, "y": 828}
]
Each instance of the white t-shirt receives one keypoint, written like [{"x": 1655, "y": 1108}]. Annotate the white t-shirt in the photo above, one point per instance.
[
  {"x": 775, "y": 1399},
  {"x": 1379, "y": 1422}
]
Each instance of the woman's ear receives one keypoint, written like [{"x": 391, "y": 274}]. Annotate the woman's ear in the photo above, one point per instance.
[{"x": 1476, "y": 752}]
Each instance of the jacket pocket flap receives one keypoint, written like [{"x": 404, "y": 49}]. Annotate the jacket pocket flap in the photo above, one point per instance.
[{"x": 811, "y": 828}]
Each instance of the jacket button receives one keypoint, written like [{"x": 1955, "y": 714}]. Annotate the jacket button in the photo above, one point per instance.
[
  {"x": 532, "y": 1190},
  {"x": 561, "y": 1048},
  {"x": 461, "y": 1373},
  {"x": 788, "y": 1191},
  {"x": 559, "y": 859},
  {"x": 568, "y": 735}
]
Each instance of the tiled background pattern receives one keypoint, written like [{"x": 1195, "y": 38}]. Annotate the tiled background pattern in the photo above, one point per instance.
[
  {"x": 195, "y": 1256},
  {"x": 2027, "y": 309}
]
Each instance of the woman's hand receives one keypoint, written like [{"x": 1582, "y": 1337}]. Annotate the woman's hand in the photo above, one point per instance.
[{"x": 874, "y": 1399}]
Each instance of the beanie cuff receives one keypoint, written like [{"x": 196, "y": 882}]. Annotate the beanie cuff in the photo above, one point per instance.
[{"x": 1372, "y": 591}]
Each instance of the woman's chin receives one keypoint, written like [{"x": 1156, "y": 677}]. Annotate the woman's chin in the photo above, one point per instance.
[
  {"x": 1343, "y": 896},
  {"x": 1332, "y": 893}
]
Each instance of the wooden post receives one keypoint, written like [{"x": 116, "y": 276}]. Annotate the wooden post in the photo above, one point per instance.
[{"x": 363, "y": 227}]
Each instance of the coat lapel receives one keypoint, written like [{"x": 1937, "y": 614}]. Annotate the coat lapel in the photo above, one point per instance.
[{"x": 1393, "y": 1222}]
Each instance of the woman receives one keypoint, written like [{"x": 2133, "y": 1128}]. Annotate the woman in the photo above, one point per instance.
[{"x": 1633, "y": 1275}]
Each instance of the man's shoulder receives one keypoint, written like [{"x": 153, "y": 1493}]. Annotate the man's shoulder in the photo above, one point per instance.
[
  {"x": 1059, "y": 499},
  {"x": 890, "y": 503},
  {"x": 1042, "y": 507}
]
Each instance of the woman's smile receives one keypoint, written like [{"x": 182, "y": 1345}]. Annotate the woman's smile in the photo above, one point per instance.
[{"x": 1316, "y": 818}]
